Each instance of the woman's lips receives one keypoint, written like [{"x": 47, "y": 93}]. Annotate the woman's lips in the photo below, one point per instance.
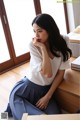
[{"x": 39, "y": 40}]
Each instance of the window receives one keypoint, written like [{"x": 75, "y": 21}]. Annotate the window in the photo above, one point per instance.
[
  {"x": 56, "y": 10},
  {"x": 20, "y": 14},
  {"x": 16, "y": 29},
  {"x": 4, "y": 53}
]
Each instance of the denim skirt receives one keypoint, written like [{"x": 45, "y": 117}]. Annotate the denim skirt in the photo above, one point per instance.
[{"x": 24, "y": 96}]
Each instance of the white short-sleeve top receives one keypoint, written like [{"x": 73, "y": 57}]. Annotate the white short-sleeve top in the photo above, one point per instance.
[{"x": 34, "y": 73}]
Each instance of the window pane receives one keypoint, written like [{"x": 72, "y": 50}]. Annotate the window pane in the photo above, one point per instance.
[
  {"x": 20, "y": 14},
  {"x": 56, "y": 10},
  {"x": 4, "y": 54}
]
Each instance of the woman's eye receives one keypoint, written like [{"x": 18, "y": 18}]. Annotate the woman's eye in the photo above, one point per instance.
[
  {"x": 37, "y": 31},
  {"x": 34, "y": 31},
  {"x": 40, "y": 31}
]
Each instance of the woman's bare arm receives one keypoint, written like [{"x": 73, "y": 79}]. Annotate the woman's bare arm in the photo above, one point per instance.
[
  {"x": 58, "y": 79},
  {"x": 46, "y": 63},
  {"x": 46, "y": 68},
  {"x": 43, "y": 102}
]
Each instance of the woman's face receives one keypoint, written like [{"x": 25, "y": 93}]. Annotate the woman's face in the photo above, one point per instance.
[{"x": 40, "y": 33}]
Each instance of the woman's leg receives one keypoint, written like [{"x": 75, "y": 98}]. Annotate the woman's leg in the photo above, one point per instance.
[
  {"x": 8, "y": 109},
  {"x": 20, "y": 106},
  {"x": 18, "y": 100},
  {"x": 52, "y": 108}
]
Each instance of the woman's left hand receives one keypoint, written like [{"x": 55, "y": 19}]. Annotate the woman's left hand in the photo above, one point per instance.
[{"x": 43, "y": 102}]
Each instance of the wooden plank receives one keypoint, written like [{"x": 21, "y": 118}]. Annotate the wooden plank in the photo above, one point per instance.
[
  {"x": 69, "y": 102},
  {"x": 53, "y": 117}
]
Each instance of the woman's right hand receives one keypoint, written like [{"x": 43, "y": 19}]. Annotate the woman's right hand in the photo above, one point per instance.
[{"x": 37, "y": 43}]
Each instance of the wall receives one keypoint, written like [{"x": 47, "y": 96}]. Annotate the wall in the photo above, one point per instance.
[
  {"x": 76, "y": 10},
  {"x": 73, "y": 14}
]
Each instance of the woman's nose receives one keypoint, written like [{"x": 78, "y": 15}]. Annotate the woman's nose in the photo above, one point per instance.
[{"x": 37, "y": 35}]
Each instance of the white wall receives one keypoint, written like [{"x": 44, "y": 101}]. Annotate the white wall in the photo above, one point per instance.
[
  {"x": 76, "y": 10},
  {"x": 73, "y": 14}
]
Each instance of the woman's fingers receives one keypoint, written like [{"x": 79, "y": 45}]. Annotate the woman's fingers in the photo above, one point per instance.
[{"x": 41, "y": 105}]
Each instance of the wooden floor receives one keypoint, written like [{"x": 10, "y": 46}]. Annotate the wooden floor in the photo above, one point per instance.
[{"x": 8, "y": 80}]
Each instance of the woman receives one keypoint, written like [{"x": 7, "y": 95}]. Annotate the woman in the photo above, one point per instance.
[{"x": 49, "y": 52}]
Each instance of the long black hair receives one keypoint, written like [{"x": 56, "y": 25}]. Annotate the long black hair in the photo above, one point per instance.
[{"x": 56, "y": 41}]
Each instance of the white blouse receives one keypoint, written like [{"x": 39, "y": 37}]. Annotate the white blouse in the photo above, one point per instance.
[{"x": 34, "y": 73}]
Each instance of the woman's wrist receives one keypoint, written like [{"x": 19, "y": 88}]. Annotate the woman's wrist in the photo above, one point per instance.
[
  {"x": 43, "y": 48},
  {"x": 48, "y": 96}
]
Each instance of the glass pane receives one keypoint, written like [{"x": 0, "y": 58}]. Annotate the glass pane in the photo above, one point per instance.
[
  {"x": 56, "y": 10},
  {"x": 4, "y": 54},
  {"x": 20, "y": 14}
]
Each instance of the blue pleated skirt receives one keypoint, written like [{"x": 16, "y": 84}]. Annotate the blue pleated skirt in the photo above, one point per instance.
[{"x": 24, "y": 96}]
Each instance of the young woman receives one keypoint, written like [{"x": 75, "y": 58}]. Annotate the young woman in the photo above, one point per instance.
[{"x": 34, "y": 94}]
